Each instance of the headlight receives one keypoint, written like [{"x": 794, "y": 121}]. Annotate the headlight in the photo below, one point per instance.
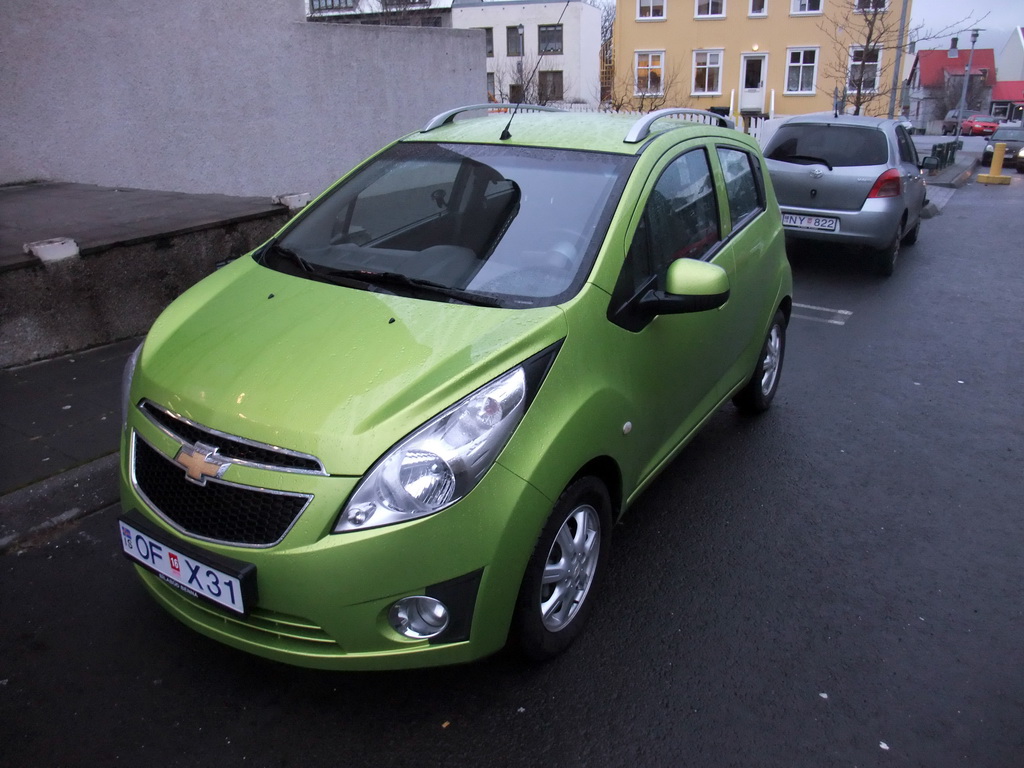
[
  {"x": 990, "y": 148},
  {"x": 126, "y": 382},
  {"x": 444, "y": 459}
]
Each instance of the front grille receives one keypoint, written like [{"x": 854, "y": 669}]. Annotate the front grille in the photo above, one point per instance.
[
  {"x": 216, "y": 511},
  {"x": 234, "y": 448}
]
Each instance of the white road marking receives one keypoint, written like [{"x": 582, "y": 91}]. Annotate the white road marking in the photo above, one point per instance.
[{"x": 823, "y": 314}]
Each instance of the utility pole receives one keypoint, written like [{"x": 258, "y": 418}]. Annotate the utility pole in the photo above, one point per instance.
[
  {"x": 963, "y": 91},
  {"x": 896, "y": 74}
]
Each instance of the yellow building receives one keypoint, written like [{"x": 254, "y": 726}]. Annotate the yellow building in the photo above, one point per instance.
[{"x": 757, "y": 57}]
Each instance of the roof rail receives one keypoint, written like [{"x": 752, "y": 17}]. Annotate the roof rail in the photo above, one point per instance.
[
  {"x": 446, "y": 117},
  {"x": 642, "y": 128}
]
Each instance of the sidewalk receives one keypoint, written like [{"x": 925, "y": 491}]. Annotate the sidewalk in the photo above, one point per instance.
[{"x": 60, "y": 420}]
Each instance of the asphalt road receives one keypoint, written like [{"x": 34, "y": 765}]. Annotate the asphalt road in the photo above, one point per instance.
[{"x": 836, "y": 583}]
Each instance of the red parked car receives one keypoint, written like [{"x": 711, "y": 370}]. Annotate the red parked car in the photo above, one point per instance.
[{"x": 979, "y": 125}]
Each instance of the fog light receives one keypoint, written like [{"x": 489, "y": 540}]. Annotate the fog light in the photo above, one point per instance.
[{"x": 418, "y": 617}]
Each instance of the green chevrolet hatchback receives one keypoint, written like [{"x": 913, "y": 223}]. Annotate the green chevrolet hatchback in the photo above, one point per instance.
[{"x": 400, "y": 432}]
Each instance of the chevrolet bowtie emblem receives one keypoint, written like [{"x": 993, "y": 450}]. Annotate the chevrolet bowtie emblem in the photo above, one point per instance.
[{"x": 200, "y": 462}]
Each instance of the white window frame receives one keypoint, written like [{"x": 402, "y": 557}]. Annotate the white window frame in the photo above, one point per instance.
[
  {"x": 795, "y": 9},
  {"x": 757, "y": 15},
  {"x": 850, "y": 64},
  {"x": 868, "y": 3},
  {"x": 637, "y": 91},
  {"x": 720, "y": 54},
  {"x": 814, "y": 74},
  {"x": 698, "y": 15},
  {"x": 652, "y": 4}
]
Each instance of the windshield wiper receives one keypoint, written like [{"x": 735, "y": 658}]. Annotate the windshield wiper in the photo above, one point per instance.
[
  {"x": 393, "y": 279},
  {"x": 279, "y": 250},
  {"x": 802, "y": 159}
]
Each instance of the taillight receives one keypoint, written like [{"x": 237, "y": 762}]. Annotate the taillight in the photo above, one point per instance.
[{"x": 886, "y": 185}]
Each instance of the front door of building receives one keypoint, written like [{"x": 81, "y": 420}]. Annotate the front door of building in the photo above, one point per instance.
[{"x": 752, "y": 84}]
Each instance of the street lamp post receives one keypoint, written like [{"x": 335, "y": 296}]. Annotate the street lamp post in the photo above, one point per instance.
[
  {"x": 963, "y": 91},
  {"x": 519, "y": 66}
]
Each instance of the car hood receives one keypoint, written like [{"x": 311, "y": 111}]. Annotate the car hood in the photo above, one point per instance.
[{"x": 335, "y": 372}]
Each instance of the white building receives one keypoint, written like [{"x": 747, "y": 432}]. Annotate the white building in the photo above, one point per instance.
[
  {"x": 537, "y": 51},
  {"x": 396, "y": 13}
]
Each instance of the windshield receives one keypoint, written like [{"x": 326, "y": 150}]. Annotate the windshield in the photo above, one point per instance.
[
  {"x": 835, "y": 145},
  {"x": 494, "y": 225},
  {"x": 1008, "y": 134}
]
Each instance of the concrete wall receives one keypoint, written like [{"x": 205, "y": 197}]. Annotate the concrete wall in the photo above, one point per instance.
[{"x": 241, "y": 98}]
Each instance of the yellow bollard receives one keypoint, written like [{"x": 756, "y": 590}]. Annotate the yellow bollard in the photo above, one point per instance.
[{"x": 995, "y": 174}]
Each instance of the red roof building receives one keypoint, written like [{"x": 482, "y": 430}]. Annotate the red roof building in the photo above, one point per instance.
[
  {"x": 933, "y": 69},
  {"x": 936, "y": 84}
]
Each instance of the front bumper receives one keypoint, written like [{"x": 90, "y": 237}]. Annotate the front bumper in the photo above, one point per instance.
[{"x": 324, "y": 598}]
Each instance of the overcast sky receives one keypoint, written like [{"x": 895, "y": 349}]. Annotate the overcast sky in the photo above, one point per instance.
[{"x": 935, "y": 15}]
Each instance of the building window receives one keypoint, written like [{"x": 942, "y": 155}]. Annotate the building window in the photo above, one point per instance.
[
  {"x": 550, "y": 85},
  {"x": 709, "y": 8},
  {"x": 514, "y": 40},
  {"x": 491, "y": 95},
  {"x": 649, "y": 70},
  {"x": 331, "y": 5},
  {"x": 863, "y": 6},
  {"x": 707, "y": 72},
  {"x": 864, "y": 70},
  {"x": 489, "y": 41},
  {"x": 650, "y": 9},
  {"x": 806, "y": 6},
  {"x": 801, "y": 70},
  {"x": 549, "y": 38},
  {"x": 758, "y": 8}
]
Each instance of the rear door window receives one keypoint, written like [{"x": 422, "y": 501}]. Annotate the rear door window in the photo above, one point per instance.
[
  {"x": 908, "y": 153},
  {"x": 742, "y": 185}
]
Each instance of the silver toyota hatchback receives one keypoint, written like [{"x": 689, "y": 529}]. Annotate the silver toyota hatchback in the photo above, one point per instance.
[{"x": 849, "y": 180}]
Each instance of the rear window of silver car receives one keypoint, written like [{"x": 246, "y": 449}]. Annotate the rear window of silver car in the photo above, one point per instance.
[{"x": 836, "y": 145}]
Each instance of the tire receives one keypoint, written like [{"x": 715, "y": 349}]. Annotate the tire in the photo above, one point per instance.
[
  {"x": 911, "y": 237},
  {"x": 885, "y": 258},
  {"x": 558, "y": 588},
  {"x": 758, "y": 393},
  {"x": 1020, "y": 167}
]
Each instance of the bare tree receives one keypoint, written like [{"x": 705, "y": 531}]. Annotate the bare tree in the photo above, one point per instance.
[
  {"x": 866, "y": 36},
  {"x": 395, "y": 13},
  {"x": 628, "y": 93},
  {"x": 949, "y": 97},
  {"x": 607, "y": 71},
  {"x": 522, "y": 79}
]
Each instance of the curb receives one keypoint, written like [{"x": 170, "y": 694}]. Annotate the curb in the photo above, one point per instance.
[
  {"x": 960, "y": 179},
  {"x": 58, "y": 500}
]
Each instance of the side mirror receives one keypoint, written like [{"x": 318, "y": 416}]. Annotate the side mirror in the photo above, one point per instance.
[
  {"x": 690, "y": 286},
  {"x": 930, "y": 163}
]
